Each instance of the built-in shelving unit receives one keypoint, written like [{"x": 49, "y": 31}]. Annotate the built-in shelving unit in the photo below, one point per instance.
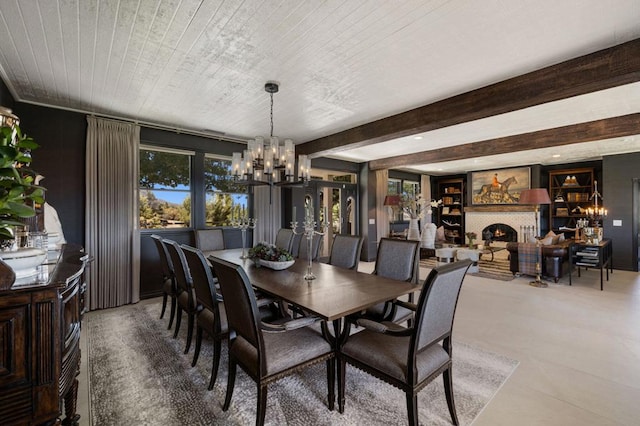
[
  {"x": 570, "y": 191},
  {"x": 451, "y": 213}
]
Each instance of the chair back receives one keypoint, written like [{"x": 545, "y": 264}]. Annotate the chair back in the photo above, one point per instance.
[
  {"x": 398, "y": 259},
  {"x": 181, "y": 269},
  {"x": 345, "y": 251},
  {"x": 284, "y": 239},
  {"x": 165, "y": 262},
  {"x": 202, "y": 277},
  {"x": 240, "y": 305},
  {"x": 295, "y": 245},
  {"x": 316, "y": 245},
  {"x": 437, "y": 304},
  {"x": 209, "y": 239}
]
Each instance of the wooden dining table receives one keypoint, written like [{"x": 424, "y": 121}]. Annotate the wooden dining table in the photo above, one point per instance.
[{"x": 334, "y": 294}]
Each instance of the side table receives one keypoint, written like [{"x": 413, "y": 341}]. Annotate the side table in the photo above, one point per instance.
[{"x": 592, "y": 256}]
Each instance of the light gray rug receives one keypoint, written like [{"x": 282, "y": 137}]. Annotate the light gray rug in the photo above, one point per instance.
[{"x": 138, "y": 375}]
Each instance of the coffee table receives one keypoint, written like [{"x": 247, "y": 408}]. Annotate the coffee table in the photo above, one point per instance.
[{"x": 490, "y": 250}]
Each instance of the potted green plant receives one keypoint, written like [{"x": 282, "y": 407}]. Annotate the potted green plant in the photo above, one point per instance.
[{"x": 18, "y": 191}]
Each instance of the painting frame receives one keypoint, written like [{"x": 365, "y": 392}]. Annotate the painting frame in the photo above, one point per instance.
[{"x": 499, "y": 186}]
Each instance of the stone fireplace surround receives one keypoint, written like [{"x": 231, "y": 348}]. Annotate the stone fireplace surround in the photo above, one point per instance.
[{"x": 479, "y": 217}]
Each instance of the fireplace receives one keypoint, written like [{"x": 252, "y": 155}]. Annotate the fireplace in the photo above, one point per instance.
[
  {"x": 499, "y": 232},
  {"x": 517, "y": 217}
]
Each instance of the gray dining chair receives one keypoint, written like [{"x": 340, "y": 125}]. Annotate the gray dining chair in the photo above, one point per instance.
[
  {"x": 186, "y": 295},
  {"x": 345, "y": 251},
  {"x": 168, "y": 279},
  {"x": 399, "y": 260},
  {"x": 267, "y": 352},
  {"x": 284, "y": 239},
  {"x": 211, "y": 316},
  {"x": 209, "y": 239},
  {"x": 410, "y": 358}
]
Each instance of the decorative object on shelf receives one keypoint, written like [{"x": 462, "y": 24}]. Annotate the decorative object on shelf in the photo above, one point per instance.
[
  {"x": 570, "y": 181},
  {"x": 243, "y": 223},
  {"x": 500, "y": 186},
  {"x": 309, "y": 230},
  {"x": 471, "y": 236},
  {"x": 392, "y": 202},
  {"x": 269, "y": 163},
  {"x": 536, "y": 197},
  {"x": 18, "y": 193},
  {"x": 271, "y": 256}
]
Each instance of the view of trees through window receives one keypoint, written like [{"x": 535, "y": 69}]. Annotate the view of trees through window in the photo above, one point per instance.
[
  {"x": 404, "y": 187},
  {"x": 165, "y": 190}
]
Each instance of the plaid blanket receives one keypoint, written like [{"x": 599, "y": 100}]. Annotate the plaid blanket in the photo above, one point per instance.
[{"x": 528, "y": 255}]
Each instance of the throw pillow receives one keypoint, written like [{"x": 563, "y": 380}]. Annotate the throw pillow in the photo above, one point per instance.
[
  {"x": 547, "y": 241},
  {"x": 440, "y": 233}
]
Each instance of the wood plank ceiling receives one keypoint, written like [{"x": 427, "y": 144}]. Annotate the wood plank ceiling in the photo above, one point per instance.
[{"x": 201, "y": 65}]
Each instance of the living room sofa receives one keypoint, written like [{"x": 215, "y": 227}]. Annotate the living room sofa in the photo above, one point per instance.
[{"x": 554, "y": 263}]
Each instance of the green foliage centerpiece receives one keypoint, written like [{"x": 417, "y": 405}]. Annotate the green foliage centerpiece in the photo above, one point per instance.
[{"x": 265, "y": 254}]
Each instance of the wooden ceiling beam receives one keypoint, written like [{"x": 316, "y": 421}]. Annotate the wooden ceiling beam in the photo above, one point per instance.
[
  {"x": 600, "y": 70},
  {"x": 625, "y": 125}
]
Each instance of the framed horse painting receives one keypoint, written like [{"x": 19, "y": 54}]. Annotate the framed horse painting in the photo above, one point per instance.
[{"x": 502, "y": 186}]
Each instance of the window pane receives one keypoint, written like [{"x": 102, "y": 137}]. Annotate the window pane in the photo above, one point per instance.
[
  {"x": 393, "y": 186},
  {"x": 165, "y": 190},
  {"x": 223, "y": 195}
]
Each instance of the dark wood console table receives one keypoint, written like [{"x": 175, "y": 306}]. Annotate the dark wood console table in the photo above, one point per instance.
[
  {"x": 592, "y": 256},
  {"x": 40, "y": 334}
]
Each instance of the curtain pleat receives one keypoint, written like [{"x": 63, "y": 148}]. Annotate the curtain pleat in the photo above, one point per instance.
[
  {"x": 382, "y": 214},
  {"x": 268, "y": 211},
  {"x": 112, "y": 229}
]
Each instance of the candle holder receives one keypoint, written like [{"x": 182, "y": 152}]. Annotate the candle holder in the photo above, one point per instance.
[
  {"x": 309, "y": 231},
  {"x": 244, "y": 223}
]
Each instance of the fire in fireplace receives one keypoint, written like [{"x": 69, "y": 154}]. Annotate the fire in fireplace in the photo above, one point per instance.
[{"x": 499, "y": 232}]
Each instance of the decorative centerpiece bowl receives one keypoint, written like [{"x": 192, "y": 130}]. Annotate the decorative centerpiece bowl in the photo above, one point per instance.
[
  {"x": 24, "y": 261},
  {"x": 270, "y": 256}
]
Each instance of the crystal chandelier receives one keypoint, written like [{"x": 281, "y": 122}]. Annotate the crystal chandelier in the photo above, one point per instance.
[{"x": 269, "y": 162}]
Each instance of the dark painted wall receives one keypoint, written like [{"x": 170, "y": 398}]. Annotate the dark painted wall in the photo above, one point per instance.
[
  {"x": 6, "y": 99},
  {"x": 618, "y": 172}
]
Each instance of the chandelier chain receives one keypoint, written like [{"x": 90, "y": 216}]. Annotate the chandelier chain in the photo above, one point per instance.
[{"x": 271, "y": 115}]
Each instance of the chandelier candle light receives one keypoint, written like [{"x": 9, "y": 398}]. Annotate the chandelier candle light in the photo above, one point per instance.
[
  {"x": 269, "y": 160},
  {"x": 309, "y": 231},
  {"x": 243, "y": 223}
]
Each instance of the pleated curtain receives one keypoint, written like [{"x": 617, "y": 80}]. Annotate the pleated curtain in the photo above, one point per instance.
[
  {"x": 425, "y": 190},
  {"x": 382, "y": 212},
  {"x": 112, "y": 232},
  {"x": 267, "y": 209}
]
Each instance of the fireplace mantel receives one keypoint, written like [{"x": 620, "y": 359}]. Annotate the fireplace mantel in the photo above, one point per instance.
[{"x": 500, "y": 208}]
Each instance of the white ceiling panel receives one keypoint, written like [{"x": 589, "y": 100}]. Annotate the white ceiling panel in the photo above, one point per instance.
[{"x": 202, "y": 64}]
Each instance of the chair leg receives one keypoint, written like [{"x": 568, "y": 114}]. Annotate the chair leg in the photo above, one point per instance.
[
  {"x": 262, "y": 404},
  {"x": 217, "y": 347},
  {"x": 173, "y": 312},
  {"x": 448, "y": 391},
  {"x": 178, "y": 321},
  {"x": 196, "y": 352},
  {"x": 231, "y": 380},
  {"x": 331, "y": 383},
  {"x": 164, "y": 304},
  {"x": 342, "y": 367},
  {"x": 189, "y": 333},
  {"x": 412, "y": 408}
]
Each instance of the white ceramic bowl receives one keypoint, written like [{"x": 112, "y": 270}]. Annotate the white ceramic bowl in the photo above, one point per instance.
[
  {"x": 276, "y": 266},
  {"x": 24, "y": 261}
]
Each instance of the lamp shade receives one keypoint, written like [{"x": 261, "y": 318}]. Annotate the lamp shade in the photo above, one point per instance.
[
  {"x": 534, "y": 196},
  {"x": 392, "y": 200}
]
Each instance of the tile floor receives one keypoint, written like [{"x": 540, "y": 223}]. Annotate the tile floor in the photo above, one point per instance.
[{"x": 578, "y": 347}]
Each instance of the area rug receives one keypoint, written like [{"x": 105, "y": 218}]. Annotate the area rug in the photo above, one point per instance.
[
  {"x": 497, "y": 269},
  {"x": 138, "y": 374}
]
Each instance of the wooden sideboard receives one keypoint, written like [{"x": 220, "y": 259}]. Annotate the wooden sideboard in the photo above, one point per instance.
[{"x": 40, "y": 342}]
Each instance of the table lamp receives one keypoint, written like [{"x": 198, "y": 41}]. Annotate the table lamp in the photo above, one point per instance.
[
  {"x": 535, "y": 197},
  {"x": 391, "y": 201}
]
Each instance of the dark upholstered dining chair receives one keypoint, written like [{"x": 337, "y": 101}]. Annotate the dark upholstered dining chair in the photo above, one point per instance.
[
  {"x": 186, "y": 294},
  {"x": 398, "y": 260},
  {"x": 284, "y": 239},
  {"x": 410, "y": 358},
  {"x": 209, "y": 239},
  {"x": 316, "y": 247},
  {"x": 345, "y": 251},
  {"x": 168, "y": 279},
  {"x": 211, "y": 315},
  {"x": 267, "y": 352}
]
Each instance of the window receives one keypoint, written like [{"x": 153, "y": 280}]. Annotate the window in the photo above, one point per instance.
[
  {"x": 165, "y": 188},
  {"x": 408, "y": 188},
  {"x": 222, "y": 195}
]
